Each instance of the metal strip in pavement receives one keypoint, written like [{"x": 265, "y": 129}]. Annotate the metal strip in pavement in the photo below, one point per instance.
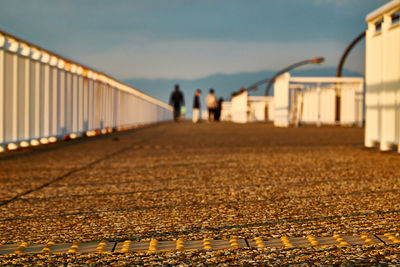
[{"x": 154, "y": 245}]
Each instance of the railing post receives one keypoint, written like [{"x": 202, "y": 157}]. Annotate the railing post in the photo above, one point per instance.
[
  {"x": 80, "y": 99},
  {"x": 2, "y": 69},
  {"x": 27, "y": 94},
  {"x": 90, "y": 101},
  {"x": 95, "y": 103},
  {"x": 118, "y": 108},
  {"x": 15, "y": 94},
  {"x": 106, "y": 105},
  {"x": 113, "y": 106},
  {"x": 85, "y": 101},
  {"x": 46, "y": 96},
  {"x": 103, "y": 106},
  {"x": 109, "y": 106},
  {"x": 54, "y": 94},
  {"x": 74, "y": 89},
  {"x": 122, "y": 100},
  {"x": 61, "y": 130},
  {"x": 37, "y": 56},
  {"x": 68, "y": 101}
]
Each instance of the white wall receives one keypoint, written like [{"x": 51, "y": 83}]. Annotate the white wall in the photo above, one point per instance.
[
  {"x": 226, "y": 112},
  {"x": 270, "y": 116},
  {"x": 382, "y": 73},
  {"x": 240, "y": 108},
  {"x": 281, "y": 101}
]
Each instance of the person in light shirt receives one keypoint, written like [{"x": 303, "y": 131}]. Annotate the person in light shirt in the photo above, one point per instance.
[{"x": 212, "y": 105}]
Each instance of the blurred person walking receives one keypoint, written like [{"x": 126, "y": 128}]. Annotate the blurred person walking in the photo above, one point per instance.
[
  {"x": 196, "y": 106},
  {"x": 177, "y": 100},
  {"x": 212, "y": 104}
]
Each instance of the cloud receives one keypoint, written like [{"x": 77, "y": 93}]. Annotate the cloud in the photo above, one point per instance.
[
  {"x": 187, "y": 38},
  {"x": 338, "y": 3},
  {"x": 343, "y": 3},
  {"x": 195, "y": 59}
]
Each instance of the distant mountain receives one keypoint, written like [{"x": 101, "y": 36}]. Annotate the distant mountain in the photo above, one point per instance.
[{"x": 224, "y": 84}]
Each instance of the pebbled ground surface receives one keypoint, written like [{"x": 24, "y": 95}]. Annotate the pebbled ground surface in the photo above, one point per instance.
[{"x": 217, "y": 180}]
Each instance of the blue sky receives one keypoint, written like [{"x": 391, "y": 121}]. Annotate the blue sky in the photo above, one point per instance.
[{"x": 191, "y": 38}]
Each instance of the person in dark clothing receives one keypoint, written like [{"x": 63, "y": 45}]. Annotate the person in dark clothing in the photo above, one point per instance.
[
  {"x": 196, "y": 106},
  {"x": 176, "y": 100},
  {"x": 218, "y": 110}
]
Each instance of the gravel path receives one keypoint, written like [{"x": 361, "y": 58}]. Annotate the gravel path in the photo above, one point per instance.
[{"x": 179, "y": 180}]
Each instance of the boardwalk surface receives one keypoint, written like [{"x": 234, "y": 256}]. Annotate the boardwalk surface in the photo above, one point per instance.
[{"x": 219, "y": 192}]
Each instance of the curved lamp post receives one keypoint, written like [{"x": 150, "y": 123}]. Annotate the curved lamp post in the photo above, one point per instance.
[
  {"x": 271, "y": 80},
  {"x": 340, "y": 67},
  {"x": 346, "y": 52}
]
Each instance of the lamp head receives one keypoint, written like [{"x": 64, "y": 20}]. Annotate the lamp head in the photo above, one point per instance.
[{"x": 317, "y": 60}]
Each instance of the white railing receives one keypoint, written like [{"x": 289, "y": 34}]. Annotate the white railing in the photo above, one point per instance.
[
  {"x": 45, "y": 97},
  {"x": 318, "y": 100},
  {"x": 382, "y": 74}
]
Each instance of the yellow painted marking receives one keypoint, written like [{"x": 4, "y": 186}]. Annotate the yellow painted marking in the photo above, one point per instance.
[
  {"x": 45, "y": 250},
  {"x": 153, "y": 245},
  {"x": 73, "y": 248},
  {"x": 180, "y": 244},
  {"x": 286, "y": 242},
  {"x": 48, "y": 247},
  {"x": 392, "y": 238},
  {"x": 234, "y": 243},
  {"x": 100, "y": 247},
  {"x": 20, "y": 248},
  {"x": 367, "y": 239},
  {"x": 207, "y": 244},
  {"x": 126, "y": 246},
  {"x": 340, "y": 241},
  {"x": 259, "y": 242},
  {"x": 312, "y": 241}
]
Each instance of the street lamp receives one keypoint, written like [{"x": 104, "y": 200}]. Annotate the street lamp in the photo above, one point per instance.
[
  {"x": 346, "y": 52},
  {"x": 340, "y": 67},
  {"x": 271, "y": 80}
]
